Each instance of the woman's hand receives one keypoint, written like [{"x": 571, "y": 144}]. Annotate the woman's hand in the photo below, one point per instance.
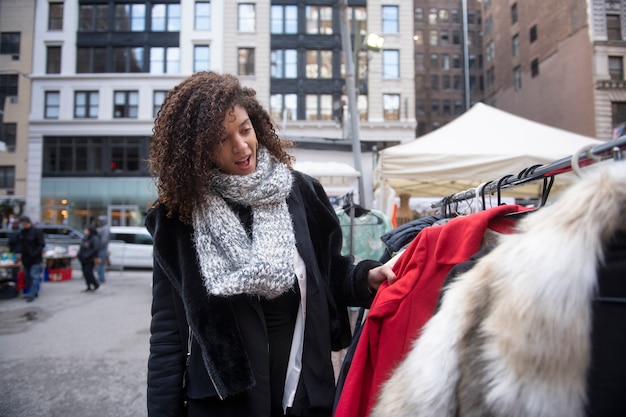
[{"x": 378, "y": 275}]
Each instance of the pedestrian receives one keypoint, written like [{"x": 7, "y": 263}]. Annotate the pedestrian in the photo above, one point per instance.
[
  {"x": 32, "y": 244},
  {"x": 104, "y": 233},
  {"x": 87, "y": 253},
  {"x": 249, "y": 284}
]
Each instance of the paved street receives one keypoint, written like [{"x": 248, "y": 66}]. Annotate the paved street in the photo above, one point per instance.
[{"x": 74, "y": 354}]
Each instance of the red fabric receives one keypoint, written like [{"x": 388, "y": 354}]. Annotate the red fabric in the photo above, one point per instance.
[
  {"x": 21, "y": 281},
  {"x": 401, "y": 310}
]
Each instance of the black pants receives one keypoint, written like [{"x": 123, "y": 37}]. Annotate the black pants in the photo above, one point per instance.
[{"x": 90, "y": 278}]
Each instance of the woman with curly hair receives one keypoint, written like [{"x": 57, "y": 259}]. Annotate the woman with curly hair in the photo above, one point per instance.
[{"x": 249, "y": 286}]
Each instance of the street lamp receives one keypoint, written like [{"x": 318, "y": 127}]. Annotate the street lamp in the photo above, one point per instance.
[{"x": 372, "y": 42}]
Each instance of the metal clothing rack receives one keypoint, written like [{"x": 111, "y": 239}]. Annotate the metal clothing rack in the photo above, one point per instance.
[{"x": 584, "y": 157}]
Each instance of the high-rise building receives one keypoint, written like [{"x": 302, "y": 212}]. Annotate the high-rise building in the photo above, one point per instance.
[
  {"x": 558, "y": 62},
  {"x": 101, "y": 69},
  {"x": 448, "y": 60}
]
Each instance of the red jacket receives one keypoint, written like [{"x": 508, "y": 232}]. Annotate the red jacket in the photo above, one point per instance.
[{"x": 401, "y": 310}]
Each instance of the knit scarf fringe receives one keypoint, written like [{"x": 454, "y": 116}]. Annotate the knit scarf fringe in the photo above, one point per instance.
[{"x": 230, "y": 262}]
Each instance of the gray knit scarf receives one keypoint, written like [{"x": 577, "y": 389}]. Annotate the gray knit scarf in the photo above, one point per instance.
[{"x": 231, "y": 263}]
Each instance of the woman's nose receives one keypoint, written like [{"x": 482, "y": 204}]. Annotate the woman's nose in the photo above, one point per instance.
[{"x": 239, "y": 144}]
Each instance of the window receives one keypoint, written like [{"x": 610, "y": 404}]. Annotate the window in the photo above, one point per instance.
[
  {"x": 284, "y": 106},
  {"x": 8, "y": 85},
  {"x": 165, "y": 60},
  {"x": 446, "y": 107},
  {"x": 86, "y": 104},
  {"x": 458, "y": 107},
  {"x": 284, "y": 20},
  {"x": 165, "y": 18},
  {"x": 126, "y": 155},
  {"x": 456, "y": 61},
  {"x": 533, "y": 33},
  {"x": 457, "y": 84},
  {"x": 247, "y": 18},
  {"x": 128, "y": 59},
  {"x": 456, "y": 37},
  {"x": 613, "y": 27},
  {"x": 420, "y": 107},
  {"x": 319, "y": 107},
  {"x": 517, "y": 78},
  {"x": 445, "y": 82},
  {"x": 69, "y": 155},
  {"x": 434, "y": 82},
  {"x": 125, "y": 104},
  {"x": 434, "y": 61},
  {"x": 319, "y": 64},
  {"x": 391, "y": 63},
  {"x": 433, "y": 37},
  {"x": 454, "y": 16},
  {"x": 391, "y": 106},
  {"x": 515, "y": 45},
  {"x": 10, "y": 43},
  {"x": 51, "y": 104},
  {"x": 434, "y": 107},
  {"x": 390, "y": 19},
  {"x": 201, "y": 58},
  {"x": 158, "y": 96},
  {"x": 432, "y": 16},
  {"x": 419, "y": 61},
  {"x": 9, "y": 136},
  {"x": 93, "y": 18},
  {"x": 357, "y": 16},
  {"x": 55, "y": 16},
  {"x": 319, "y": 19},
  {"x": 53, "y": 60},
  {"x": 7, "y": 176},
  {"x": 130, "y": 17},
  {"x": 445, "y": 61},
  {"x": 90, "y": 60},
  {"x": 534, "y": 67},
  {"x": 202, "y": 15},
  {"x": 284, "y": 63},
  {"x": 616, "y": 68},
  {"x": 514, "y": 13},
  {"x": 419, "y": 14},
  {"x": 245, "y": 58},
  {"x": 618, "y": 112},
  {"x": 444, "y": 37}
]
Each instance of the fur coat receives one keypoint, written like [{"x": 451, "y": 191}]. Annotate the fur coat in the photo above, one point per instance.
[{"x": 513, "y": 335}]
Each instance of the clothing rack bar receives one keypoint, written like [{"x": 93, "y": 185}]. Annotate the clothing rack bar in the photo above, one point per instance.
[{"x": 600, "y": 152}]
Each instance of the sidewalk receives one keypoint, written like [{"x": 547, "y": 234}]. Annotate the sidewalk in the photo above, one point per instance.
[{"x": 76, "y": 354}]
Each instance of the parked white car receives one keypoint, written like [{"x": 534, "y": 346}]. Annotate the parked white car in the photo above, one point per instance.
[{"x": 130, "y": 247}]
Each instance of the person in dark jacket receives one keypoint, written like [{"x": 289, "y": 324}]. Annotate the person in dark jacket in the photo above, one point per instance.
[
  {"x": 32, "y": 244},
  {"x": 250, "y": 290},
  {"x": 87, "y": 252}
]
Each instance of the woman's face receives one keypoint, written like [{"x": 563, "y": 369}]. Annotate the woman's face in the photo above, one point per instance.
[{"x": 237, "y": 154}]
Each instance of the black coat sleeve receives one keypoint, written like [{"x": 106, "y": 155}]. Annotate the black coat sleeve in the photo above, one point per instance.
[{"x": 166, "y": 363}]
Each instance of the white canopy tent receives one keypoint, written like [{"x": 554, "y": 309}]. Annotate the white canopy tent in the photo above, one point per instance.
[{"x": 484, "y": 144}]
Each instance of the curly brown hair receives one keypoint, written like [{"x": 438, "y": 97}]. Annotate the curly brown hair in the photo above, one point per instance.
[{"x": 188, "y": 130}]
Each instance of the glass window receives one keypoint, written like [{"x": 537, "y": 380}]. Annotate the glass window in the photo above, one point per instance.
[
  {"x": 247, "y": 18},
  {"x": 319, "y": 20},
  {"x": 9, "y": 136},
  {"x": 517, "y": 78},
  {"x": 618, "y": 112},
  {"x": 128, "y": 59},
  {"x": 52, "y": 104},
  {"x": 613, "y": 27},
  {"x": 55, "y": 16},
  {"x": 319, "y": 107},
  {"x": 515, "y": 45},
  {"x": 391, "y": 63},
  {"x": 93, "y": 18},
  {"x": 434, "y": 82},
  {"x": 391, "y": 106},
  {"x": 130, "y": 17},
  {"x": 419, "y": 14},
  {"x": 90, "y": 60},
  {"x": 10, "y": 43},
  {"x": 165, "y": 18},
  {"x": 533, "y": 33},
  {"x": 53, "y": 60},
  {"x": 284, "y": 20},
  {"x": 284, "y": 107},
  {"x": 390, "y": 22},
  {"x": 164, "y": 60},
  {"x": 434, "y": 61},
  {"x": 616, "y": 67},
  {"x": 86, "y": 104},
  {"x": 434, "y": 107},
  {"x": 202, "y": 15},
  {"x": 158, "y": 96},
  {"x": 534, "y": 67},
  {"x": 433, "y": 37},
  {"x": 125, "y": 104},
  {"x": 419, "y": 61},
  {"x": 246, "y": 61},
  {"x": 445, "y": 61},
  {"x": 201, "y": 58},
  {"x": 432, "y": 16},
  {"x": 284, "y": 63},
  {"x": 444, "y": 16},
  {"x": 7, "y": 176},
  {"x": 319, "y": 64},
  {"x": 514, "y": 13},
  {"x": 357, "y": 15}
]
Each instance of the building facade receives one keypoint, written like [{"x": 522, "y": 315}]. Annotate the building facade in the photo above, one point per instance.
[
  {"x": 101, "y": 69},
  {"x": 560, "y": 63}
]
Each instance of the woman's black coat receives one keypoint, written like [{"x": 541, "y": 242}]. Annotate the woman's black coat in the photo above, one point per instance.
[{"x": 230, "y": 331}]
